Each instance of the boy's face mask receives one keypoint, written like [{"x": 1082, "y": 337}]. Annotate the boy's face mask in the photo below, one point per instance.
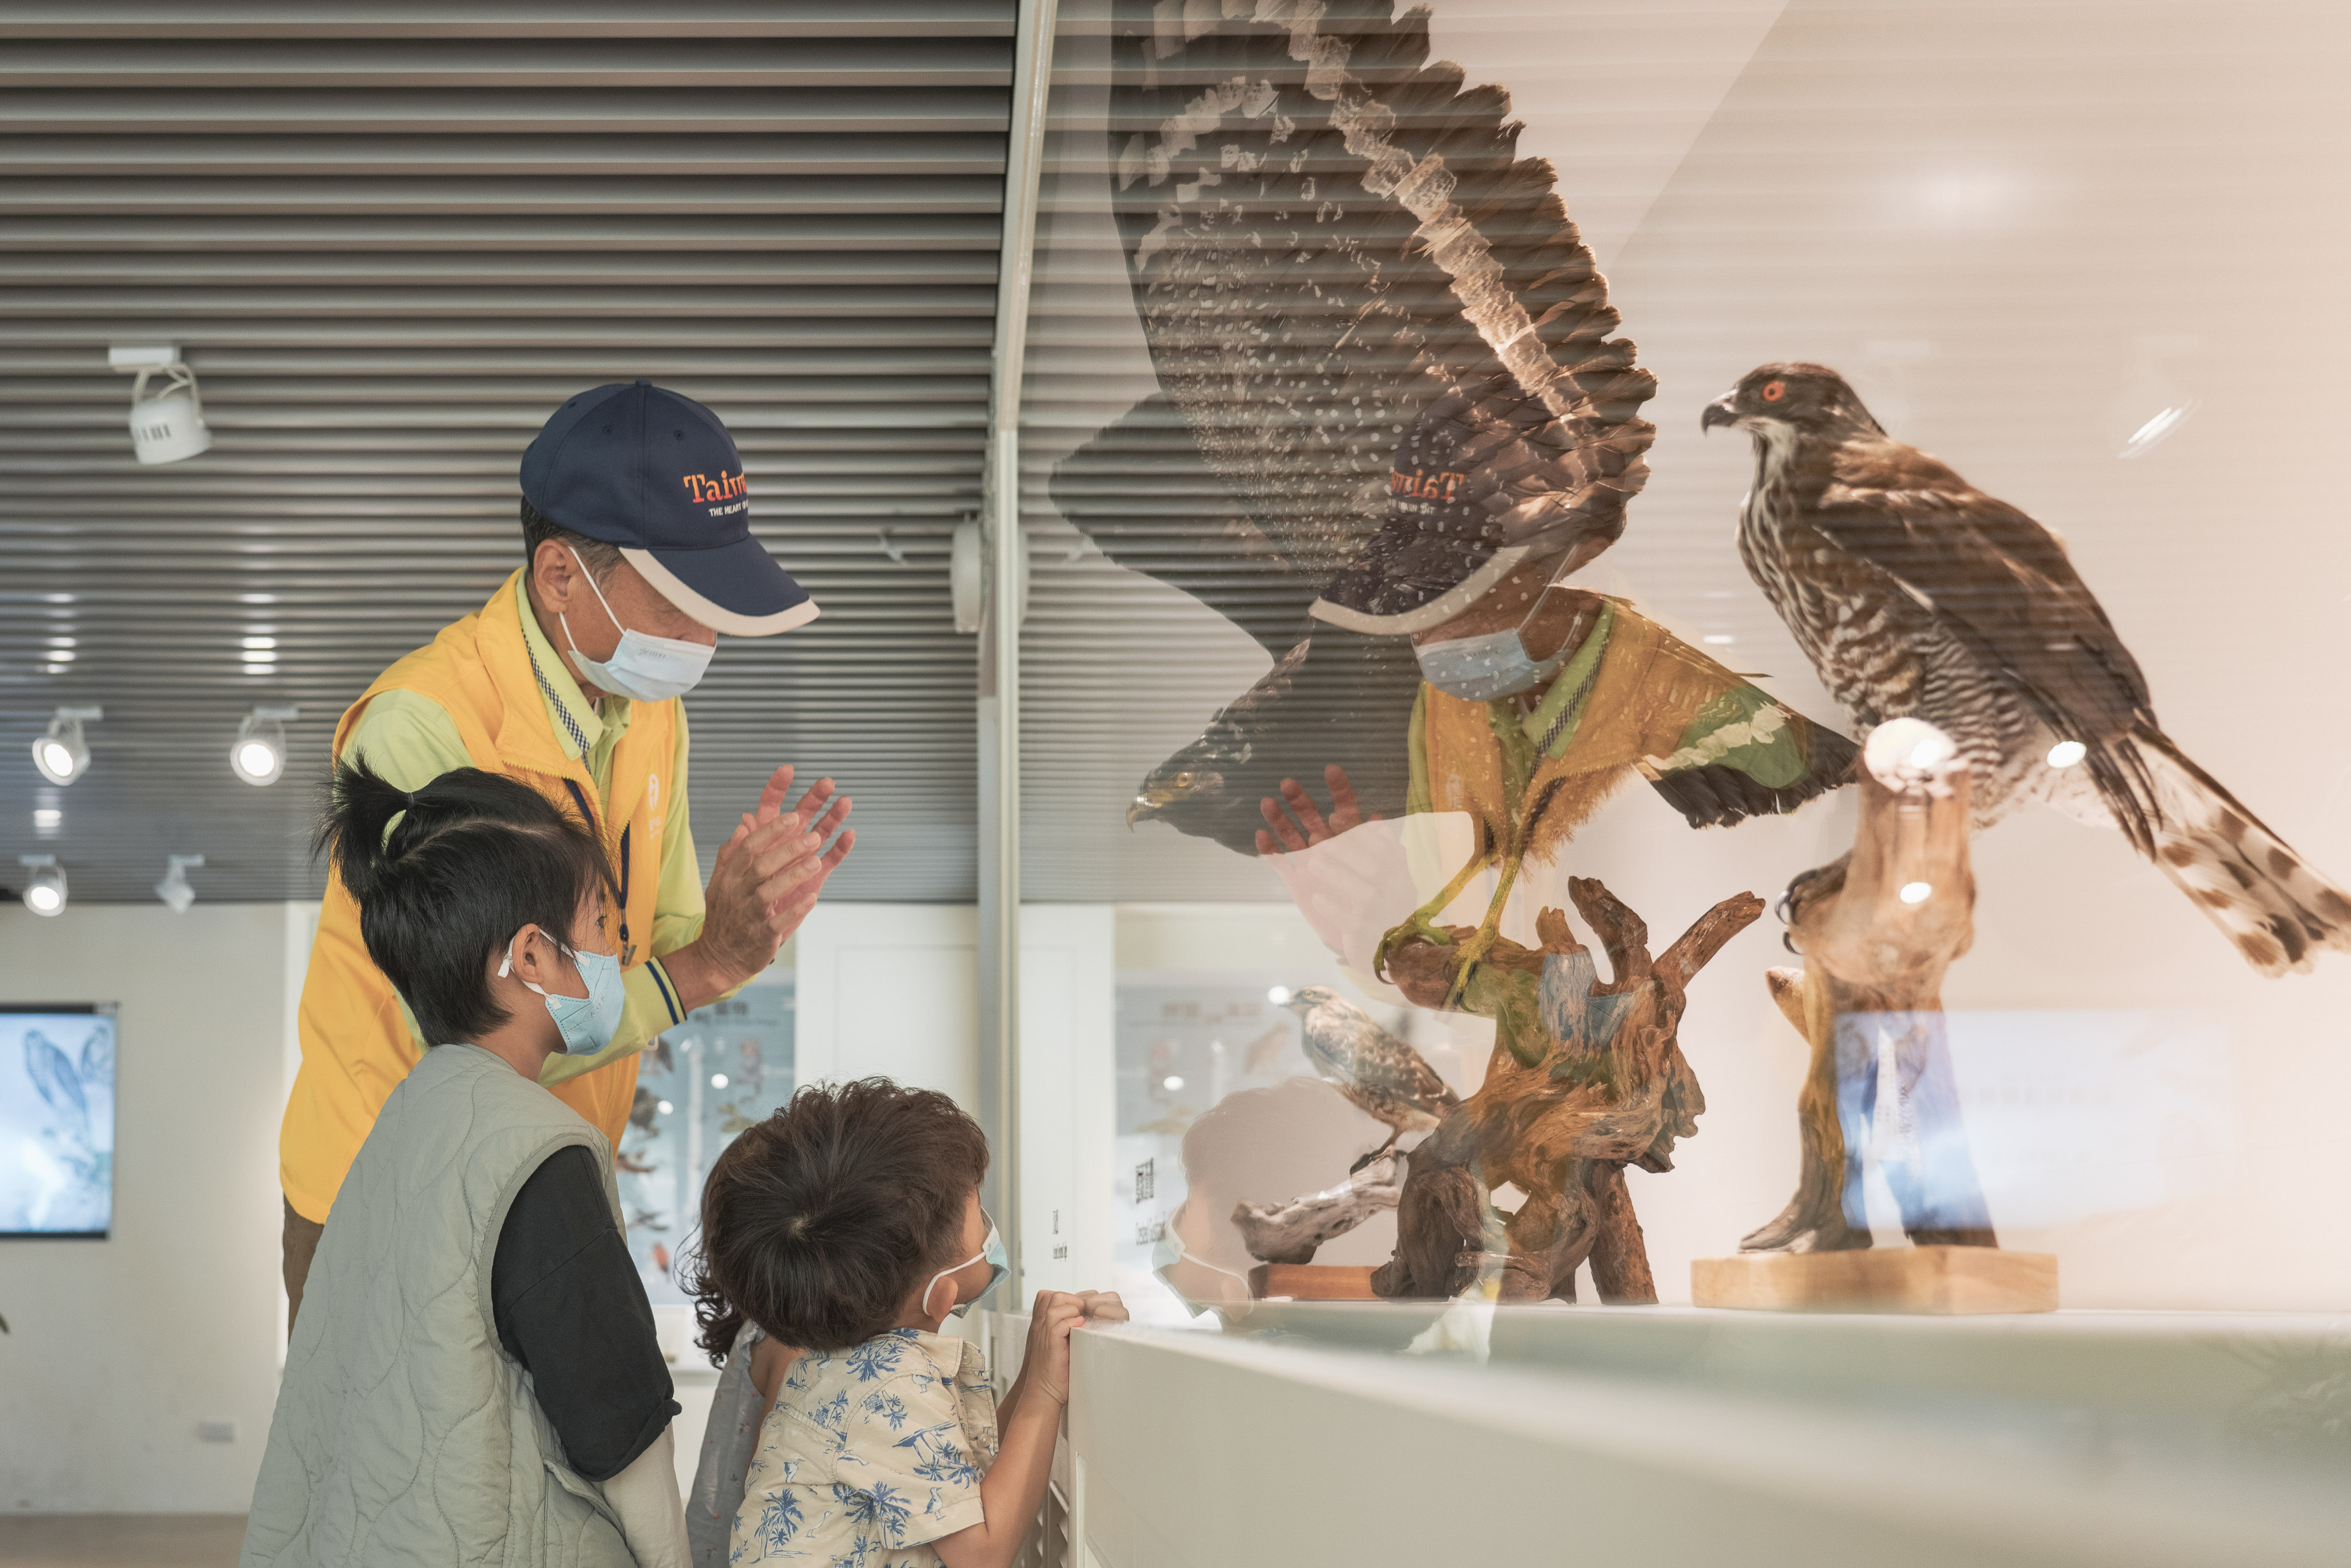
[
  {"x": 1000, "y": 1263},
  {"x": 587, "y": 1023}
]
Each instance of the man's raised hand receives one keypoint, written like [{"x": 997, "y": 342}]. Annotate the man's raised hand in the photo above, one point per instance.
[
  {"x": 1286, "y": 836},
  {"x": 767, "y": 876}
]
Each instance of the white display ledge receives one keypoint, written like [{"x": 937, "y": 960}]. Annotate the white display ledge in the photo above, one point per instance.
[{"x": 1662, "y": 1435}]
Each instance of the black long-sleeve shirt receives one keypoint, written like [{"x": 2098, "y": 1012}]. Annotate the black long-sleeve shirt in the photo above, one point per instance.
[{"x": 570, "y": 1307}]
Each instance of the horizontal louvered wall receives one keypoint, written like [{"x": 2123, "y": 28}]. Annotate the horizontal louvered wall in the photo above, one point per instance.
[{"x": 389, "y": 239}]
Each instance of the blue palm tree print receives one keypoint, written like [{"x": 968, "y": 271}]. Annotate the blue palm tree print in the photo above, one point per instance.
[
  {"x": 875, "y": 1357},
  {"x": 779, "y": 1521},
  {"x": 887, "y": 1407},
  {"x": 940, "y": 1458},
  {"x": 881, "y": 1508}
]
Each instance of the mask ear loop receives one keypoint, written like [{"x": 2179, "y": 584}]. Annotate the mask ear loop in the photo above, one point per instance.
[
  {"x": 599, "y": 592},
  {"x": 505, "y": 965}
]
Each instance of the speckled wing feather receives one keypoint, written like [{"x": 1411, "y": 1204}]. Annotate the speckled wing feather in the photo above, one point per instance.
[
  {"x": 2004, "y": 586},
  {"x": 1324, "y": 233},
  {"x": 1397, "y": 1073}
]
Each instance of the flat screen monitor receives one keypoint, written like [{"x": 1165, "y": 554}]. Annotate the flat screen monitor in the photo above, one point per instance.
[{"x": 57, "y": 1119}]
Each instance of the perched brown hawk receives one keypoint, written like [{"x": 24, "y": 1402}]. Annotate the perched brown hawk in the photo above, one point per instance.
[{"x": 1915, "y": 594}]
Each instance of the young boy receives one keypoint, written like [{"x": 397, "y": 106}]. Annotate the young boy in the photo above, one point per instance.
[
  {"x": 473, "y": 1376},
  {"x": 848, "y": 1225}
]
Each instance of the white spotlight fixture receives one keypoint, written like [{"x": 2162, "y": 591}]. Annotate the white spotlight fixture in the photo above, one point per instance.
[
  {"x": 2066, "y": 753},
  {"x": 173, "y": 889},
  {"x": 45, "y": 893},
  {"x": 63, "y": 754},
  {"x": 1278, "y": 995},
  {"x": 259, "y": 754},
  {"x": 169, "y": 426}
]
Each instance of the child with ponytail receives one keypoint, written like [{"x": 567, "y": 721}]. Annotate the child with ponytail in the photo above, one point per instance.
[{"x": 474, "y": 1374}]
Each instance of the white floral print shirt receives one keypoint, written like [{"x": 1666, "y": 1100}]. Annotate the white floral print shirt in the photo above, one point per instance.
[{"x": 870, "y": 1454}]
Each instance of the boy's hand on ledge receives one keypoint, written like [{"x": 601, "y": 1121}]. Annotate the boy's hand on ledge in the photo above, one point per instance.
[
  {"x": 1045, "y": 1365},
  {"x": 1104, "y": 1306}
]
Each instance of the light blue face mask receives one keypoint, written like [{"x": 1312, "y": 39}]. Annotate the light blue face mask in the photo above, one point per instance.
[
  {"x": 1481, "y": 669},
  {"x": 587, "y": 1023},
  {"x": 644, "y": 668},
  {"x": 1000, "y": 1263}
]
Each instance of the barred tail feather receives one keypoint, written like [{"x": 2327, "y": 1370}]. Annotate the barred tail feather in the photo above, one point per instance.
[{"x": 2253, "y": 886}]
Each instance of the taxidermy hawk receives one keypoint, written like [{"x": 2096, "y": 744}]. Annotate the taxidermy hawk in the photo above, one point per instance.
[
  {"x": 1383, "y": 1076},
  {"x": 1915, "y": 594},
  {"x": 1326, "y": 235}
]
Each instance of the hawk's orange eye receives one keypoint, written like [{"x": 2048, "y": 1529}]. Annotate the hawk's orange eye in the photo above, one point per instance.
[{"x": 1774, "y": 390}]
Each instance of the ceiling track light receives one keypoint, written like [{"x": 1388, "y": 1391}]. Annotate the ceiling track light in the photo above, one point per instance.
[
  {"x": 174, "y": 890},
  {"x": 257, "y": 755},
  {"x": 170, "y": 426},
  {"x": 44, "y": 894},
  {"x": 63, "y": 753}
]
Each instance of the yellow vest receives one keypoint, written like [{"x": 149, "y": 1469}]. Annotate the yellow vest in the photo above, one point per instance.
[{"x": 356, "y": 1043}]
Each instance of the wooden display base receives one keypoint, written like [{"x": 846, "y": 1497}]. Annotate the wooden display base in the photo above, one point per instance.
[
  {"x": 1312, "y": 1282},
  {"x": 1951, "y": 1280}
]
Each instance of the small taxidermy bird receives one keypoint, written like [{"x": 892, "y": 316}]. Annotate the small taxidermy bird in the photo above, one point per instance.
[
  {"x": 1915, "y": 594},
  {"x": 1383, "y": 1077}
]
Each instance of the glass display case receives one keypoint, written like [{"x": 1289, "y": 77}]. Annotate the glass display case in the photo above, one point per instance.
[
  {"x": 1719, "y": 570},
  {"x": 730, "y": 1065}
]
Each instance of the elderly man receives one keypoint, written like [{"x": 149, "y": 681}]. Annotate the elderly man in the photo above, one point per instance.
[{"x": 638, "y": 551}]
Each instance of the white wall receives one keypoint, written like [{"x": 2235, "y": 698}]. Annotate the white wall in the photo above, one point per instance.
[
  {"x": 121, "y": 1346},
  {"x": 888, "y": 988},
  {"x": 1069, "y": 1108}
]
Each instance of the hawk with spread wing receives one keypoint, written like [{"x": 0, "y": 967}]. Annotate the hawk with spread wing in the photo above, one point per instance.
[
  {"x": 1915, "y": 594},
  {"x": 1328, "y": 236}
]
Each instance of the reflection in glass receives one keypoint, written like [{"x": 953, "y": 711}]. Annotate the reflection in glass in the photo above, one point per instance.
[{"x": 727, "y": 1066}]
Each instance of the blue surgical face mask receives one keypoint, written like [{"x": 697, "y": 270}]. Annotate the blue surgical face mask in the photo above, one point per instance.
[
  {"x": 1000, "y": 1264},
  {"x": 1482, "y": 668},
  {"x": 644, "y": 668},
  {"x": 587, "y": 1023}
]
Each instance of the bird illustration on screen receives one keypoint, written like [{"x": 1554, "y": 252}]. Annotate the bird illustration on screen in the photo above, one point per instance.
[
  {"x": 1915, "y": 594},
  {"x": 61, "y": 1083},
  {"x": 1383, "y": 1077}
]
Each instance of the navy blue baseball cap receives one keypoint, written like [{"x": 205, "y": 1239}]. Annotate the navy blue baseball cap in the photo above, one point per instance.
[{"x": 639, "y": 466}]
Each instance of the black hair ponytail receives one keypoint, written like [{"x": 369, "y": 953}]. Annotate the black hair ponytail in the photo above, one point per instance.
[
  {"x": 444, "y": 877},
  {"x": 361, "y": 808}
]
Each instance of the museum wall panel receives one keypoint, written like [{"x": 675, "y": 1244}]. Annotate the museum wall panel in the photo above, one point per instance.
[{"x": 119, "y": 1349}]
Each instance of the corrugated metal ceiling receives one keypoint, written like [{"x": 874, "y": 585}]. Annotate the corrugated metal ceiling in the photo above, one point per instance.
[{"x": 389, "y": 239}]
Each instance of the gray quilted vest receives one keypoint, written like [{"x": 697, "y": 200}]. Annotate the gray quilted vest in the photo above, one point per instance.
[{"x": 404, "y": 1434}]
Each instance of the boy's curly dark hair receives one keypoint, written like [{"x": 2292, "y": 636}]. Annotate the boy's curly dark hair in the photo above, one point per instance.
[{"x": 819, "y": 1222}]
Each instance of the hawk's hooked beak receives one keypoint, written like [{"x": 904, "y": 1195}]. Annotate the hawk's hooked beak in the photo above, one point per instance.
[
  {"x": 1141, "y": 807},
  {"x": 1721, "y": 411}
]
